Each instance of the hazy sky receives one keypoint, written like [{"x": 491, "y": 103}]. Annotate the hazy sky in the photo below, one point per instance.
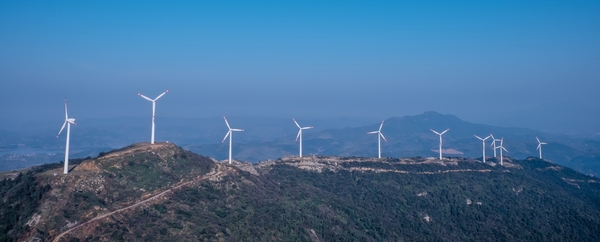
[{"x": 479, "y": 60}]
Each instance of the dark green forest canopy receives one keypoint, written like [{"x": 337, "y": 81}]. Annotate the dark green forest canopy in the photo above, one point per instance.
[{"x": 523, "y": 204}]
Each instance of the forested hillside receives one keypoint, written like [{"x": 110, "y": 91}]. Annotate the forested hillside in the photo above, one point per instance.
[{"x": 158, "y": 194}]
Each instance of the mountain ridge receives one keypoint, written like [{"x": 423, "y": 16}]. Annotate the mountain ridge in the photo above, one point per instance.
[
  {"x": 407, "y": 136},
  {"x": 410, "y": 136},
  {"x": 116, "y": 197}
]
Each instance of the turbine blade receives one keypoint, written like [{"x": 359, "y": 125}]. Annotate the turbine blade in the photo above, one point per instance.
[
  {"x": 381, "y": 126},
  {"x": 66, "y": 113},
  {"x": 444, "y": 131},
  {"x": 226, "y": 135},
  {"x": 491, "y": 135},
  {"x": 162, "y": 94},
  {"x": 505, "y": 150},
  {"x": 237, "y": 130},
  {"x": 373, "y": 132},
  {"x": 487, "y": 137},
  {"x": 297, "y": 123},
  {"x": 544, "y": 143},
  {"x": 382, "y": 136},
  {"x": 298, "y": 136},
  {"x": 144, "y": 97},
  {"x": 61, "y": 129},
  {"x": 538, "y": 147},
  {"x": 227, "y": 123},
  {"x": 478, "y": 137},
  {"x": 309, "y": 127},
  {"x": 537, "y": 139},
  {"x": 435, "y": 132}
]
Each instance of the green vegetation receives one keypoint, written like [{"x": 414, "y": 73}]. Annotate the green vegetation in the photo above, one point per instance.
[
  {"x": 19, "y": 199},
  {"x": 82, "y": 193},
  {"x": 529, "y": 204},
  {"x": 329, "y": 199}
]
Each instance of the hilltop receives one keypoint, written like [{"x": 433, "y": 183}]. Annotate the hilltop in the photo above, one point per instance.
[{"x": 162, "y": 192}]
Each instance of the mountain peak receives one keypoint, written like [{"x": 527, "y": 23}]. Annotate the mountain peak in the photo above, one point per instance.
[
  {"x": 434, "y": 114},
  {"x": 162, "y": 151}
]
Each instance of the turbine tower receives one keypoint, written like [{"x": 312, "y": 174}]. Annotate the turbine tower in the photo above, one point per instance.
[
  {"x": 539, "y": 147},
  {"x": 300, "y": 134},
  {"x": 483, "y": 141},
  {"x": 379, "y": 136},
  {"x": 230, "y": 134},
  {"x": 501, "y": 147},
  {"x": 440, "y": 134},
  {"x": 68, "y": 122},
  {"x": 153, "y": 110}
]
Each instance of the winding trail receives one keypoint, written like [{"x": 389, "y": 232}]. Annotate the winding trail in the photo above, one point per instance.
[{"x": 220, "y": 169}]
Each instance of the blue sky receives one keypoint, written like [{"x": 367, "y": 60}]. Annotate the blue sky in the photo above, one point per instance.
[{"x": 480, "y": 60}]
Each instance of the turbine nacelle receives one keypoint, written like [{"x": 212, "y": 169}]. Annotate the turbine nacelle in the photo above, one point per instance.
[
  {"x": 438, "y": 133},
  {"x": 67, "y": 123},
  {"x": 299, "y": 136},
  {"x": 301, "y": 128},
  {"x": 230, "y": 130},
  {"x": 483, "y": 139},
  {"x": 67, "y": 120},
  {"x": 379, "y": 131},
  {"x": 483, "y": 143},
  {"x": 153, "y": 111},
  {"x": 230, "y": 135},
  {"x": 540, "y": 143},
  {"x": 153, "y": 100}
]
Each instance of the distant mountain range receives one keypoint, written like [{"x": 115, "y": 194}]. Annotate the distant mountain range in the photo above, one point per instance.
[
  {"x": 271, "y": 138},
  {"x": 410, "y": 136}
]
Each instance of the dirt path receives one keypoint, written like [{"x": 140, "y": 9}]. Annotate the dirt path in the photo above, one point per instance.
[{"x": 218, "y": 171}]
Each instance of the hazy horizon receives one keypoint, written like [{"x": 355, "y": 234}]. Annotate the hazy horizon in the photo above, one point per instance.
[{"x": 513, "y": 64}]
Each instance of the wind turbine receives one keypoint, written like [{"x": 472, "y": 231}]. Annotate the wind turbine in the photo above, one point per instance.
[
  {"x": 493, "y": 144},
  {"x": 379, "y": 136},
  {"x": 440, "y": 134},
  {"x": 153, "y": 110},
  {"x": 300, "y": 134},
  {"x": 230, "y": 134},
  {"x": 483, "y": 141},
  {"x": 68, "y": 122},
  {"x": 539, "y": 147},
  {"x": 501, "y": 147}
]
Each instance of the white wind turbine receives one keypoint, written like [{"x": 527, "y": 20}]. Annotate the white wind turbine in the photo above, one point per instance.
[
  {"x": 501, "y": 147},
  {"x": 493, "y": 144},
  {"x": 68, "y": 122},
  {"x": 483, "y": 141},
  {"x": 440, "y": 134},
  {"x": 300, "y": 134},
  {"x": 379, "y": 136},
  {"x": 230, "y": 134},
  {"x": 539, "y": 147},
  {"x": 153, "y": 110}
]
